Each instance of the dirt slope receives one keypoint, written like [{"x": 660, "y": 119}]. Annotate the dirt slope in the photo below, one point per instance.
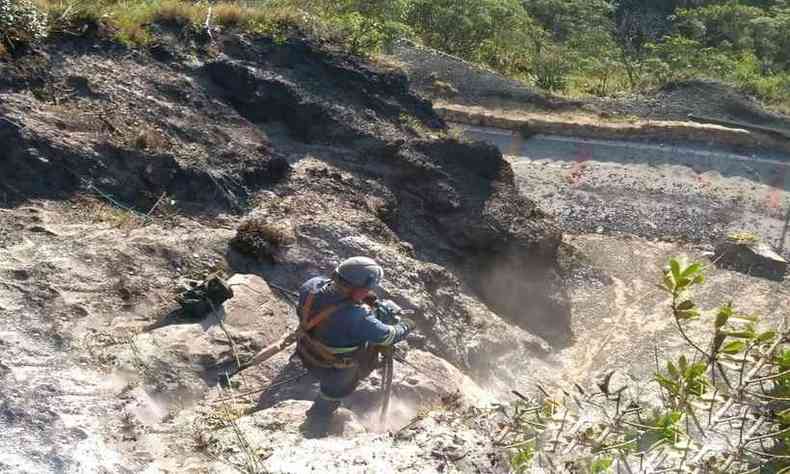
[
  {"x": 126, "y": 171},
  {"x": 443, "y": 77}
]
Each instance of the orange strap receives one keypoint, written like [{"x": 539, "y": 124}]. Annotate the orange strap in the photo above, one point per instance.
[
  {"x": 308, "y": 323},
  {"x": 308, "y": 306}
]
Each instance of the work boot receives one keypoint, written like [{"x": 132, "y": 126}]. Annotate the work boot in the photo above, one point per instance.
[
  {"x": 323, "y": 407},
  {"x": 319, "y": 417}
]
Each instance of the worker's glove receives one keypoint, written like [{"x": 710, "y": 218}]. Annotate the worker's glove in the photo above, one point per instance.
[
  {"x": 409, "y": 323},
  {"x": 387, "y": 311},
  {"x": 371, "y": 300}
]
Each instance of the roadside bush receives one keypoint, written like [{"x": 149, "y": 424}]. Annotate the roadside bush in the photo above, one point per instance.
[
  {"x": 550, "y": 69},
  {"x": 773, "y": 89},
  {"x": 731, "y": 386},
  {"x": 21, "y": 23},
  {"x": 365, "y": 34}
]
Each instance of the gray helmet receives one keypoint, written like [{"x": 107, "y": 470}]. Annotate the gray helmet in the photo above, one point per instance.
[{"x": 360, "y": 272}]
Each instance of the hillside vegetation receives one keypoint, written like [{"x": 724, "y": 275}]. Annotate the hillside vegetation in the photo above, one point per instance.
[{"x": 572, "y": 47}]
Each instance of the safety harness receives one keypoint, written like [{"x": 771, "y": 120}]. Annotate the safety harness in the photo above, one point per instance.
[{"x": 313, "y": 351}]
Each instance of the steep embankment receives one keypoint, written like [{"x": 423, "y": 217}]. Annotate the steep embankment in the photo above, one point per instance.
[{"x": 125, "y": 172}]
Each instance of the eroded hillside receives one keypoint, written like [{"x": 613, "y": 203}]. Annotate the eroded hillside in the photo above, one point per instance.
[{"x": 126, "y": 172}]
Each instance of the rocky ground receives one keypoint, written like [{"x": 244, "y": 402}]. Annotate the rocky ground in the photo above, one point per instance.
[{"x": 126, "y": 173}]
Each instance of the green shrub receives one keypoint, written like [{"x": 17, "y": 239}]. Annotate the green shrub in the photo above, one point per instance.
[
  {"x": 731, "y": 386},
  {"x": 367, "y": 34},
  {"x": 550, "y": 69},
  {"x": 774, "y": 89},
  {"x": 20, "y": 23}
]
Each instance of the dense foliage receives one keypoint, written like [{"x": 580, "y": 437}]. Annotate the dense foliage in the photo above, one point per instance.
[{"x": 598, "y": 47}]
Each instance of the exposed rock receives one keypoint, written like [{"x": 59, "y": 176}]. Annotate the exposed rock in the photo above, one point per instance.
[
  {"x": 296, "y": 134},
  {"x": 751, "y": 256},
  {"x": 130, "y": 150},
  {"x": 255, "y": 313},
  {"x": 281, "y": 439},
  {"x": 423, "y": 381}
]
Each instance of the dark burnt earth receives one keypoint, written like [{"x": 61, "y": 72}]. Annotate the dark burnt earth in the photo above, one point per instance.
[{"x": 190, "y": 138}]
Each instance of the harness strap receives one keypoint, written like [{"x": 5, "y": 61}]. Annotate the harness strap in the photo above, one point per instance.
[
  {"x": 305, "y": 352},
  {"x": 306, "y": 309},
  {"x": 308, "y": 323},
  {"x": 322, "y": 316}
]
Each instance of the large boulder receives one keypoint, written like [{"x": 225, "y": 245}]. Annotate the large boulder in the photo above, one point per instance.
[{"x": 749, "y": 254}]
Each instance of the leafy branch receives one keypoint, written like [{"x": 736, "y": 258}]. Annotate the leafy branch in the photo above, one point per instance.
[{"x": 724, "y": 409}]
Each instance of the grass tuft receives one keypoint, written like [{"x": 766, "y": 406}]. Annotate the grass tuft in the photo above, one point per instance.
[
  {"x": 129, "y": 22},
  {"x": 261, "y": 239},
  {"x": 151, "y": 140},
  {"x": 232, "y": 15}
]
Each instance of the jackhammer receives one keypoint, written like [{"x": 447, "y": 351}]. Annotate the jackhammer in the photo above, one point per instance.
[{"x": 387, "y": 312}]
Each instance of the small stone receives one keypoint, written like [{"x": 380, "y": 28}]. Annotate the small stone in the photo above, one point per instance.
[{"x": 41, "y": 230}]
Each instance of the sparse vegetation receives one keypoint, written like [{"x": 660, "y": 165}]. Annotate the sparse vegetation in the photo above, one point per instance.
[
  {"x": 584, "y": 47},
  {"x": 743, "y": 237},
  {"x": 115, "y": 216},
  {"x": 578, "y": 47},
  {"x": 130, "y": 22},
  {"x": 412, "y": 123},
  {"x": 259, "y": 238},
  {"x": 150, "y": 139},
  {"x": 723, "y": 407},
  {"x": 20, "y": 23}
]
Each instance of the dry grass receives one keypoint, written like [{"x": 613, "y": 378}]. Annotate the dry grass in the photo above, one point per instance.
[
  {"x": 231, "y": 15},
  {"x": 150, "y": 139},
  {"x": 261, "y": 239},
  {"x": 129, "y": 21},
  {"x": 92, "y": 208},
  {"x": 388, "y": 62},
  {"x": 743, "y": 237},
  {"x": 278, "y": 234},
  {"x": 414, "y": 124},
  {"x": 179, "y": 13}
]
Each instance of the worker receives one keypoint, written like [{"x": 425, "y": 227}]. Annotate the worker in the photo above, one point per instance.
[{"x": 340, "y": 350}]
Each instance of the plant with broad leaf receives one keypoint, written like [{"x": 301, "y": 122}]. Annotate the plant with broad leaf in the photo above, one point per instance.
[
  {"x": 725, "y": 404},
  {"x": 724, "y": 377}
]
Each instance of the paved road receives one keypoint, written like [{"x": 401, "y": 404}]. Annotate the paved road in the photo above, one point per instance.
[
  {"x": 652, "y": 190},
  {"x": 629, "y": 207}
]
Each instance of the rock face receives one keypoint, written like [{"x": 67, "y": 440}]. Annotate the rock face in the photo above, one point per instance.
[
  {"x": 751, "y": 256},
  {"x": 338, "y": 151}
]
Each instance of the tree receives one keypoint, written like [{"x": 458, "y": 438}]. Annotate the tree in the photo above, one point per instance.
[{"x": 461, "y": 27}]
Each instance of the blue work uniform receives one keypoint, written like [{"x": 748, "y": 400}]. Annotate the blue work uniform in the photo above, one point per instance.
[{"x": 349, "y": 333}]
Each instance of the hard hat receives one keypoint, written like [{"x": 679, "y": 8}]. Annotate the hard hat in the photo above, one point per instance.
[{"x": 360, "y": 272}]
